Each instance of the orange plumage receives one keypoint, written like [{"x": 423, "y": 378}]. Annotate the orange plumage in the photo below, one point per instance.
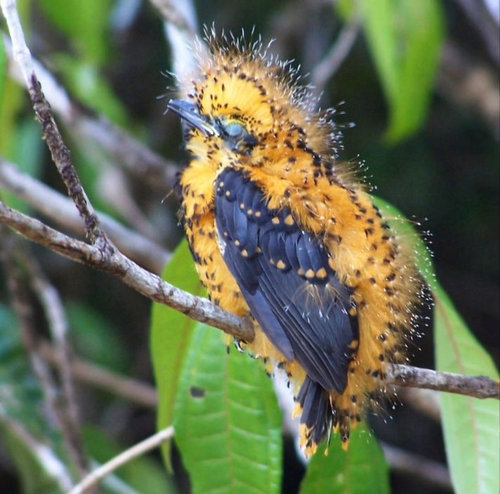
[{"x": 281, "y": 230}]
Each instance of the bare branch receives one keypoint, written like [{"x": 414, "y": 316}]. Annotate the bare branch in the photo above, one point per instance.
[
  {"x": 114, "y": 262},
  {"x": 61, "y": 156},
  {"x": 49, "y": 462},
  {"x": 60, "y": 153},
  {"x": 176, "y": 13},
  {"x": 60, "y": 209},
  {"x": 470, "y": 85},
  {"x": 420, "y": 468},
  {"x": 180, "y": 29},
  {"x": 327, "y": 67},
  {"x": 485, "y": 24},
  {"x": 476, "y": 386},
  {"x": 138, "y": 449},
  {"x": 58, "y": 327}
]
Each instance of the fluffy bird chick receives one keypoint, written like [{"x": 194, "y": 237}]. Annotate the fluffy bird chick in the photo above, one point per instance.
[{"x": 281, "y": 231}]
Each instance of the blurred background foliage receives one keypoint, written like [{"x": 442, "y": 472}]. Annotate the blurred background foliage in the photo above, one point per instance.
[{"x": 420, "y": 83}]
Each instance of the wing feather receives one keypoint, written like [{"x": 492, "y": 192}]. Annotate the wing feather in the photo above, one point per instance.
[{"x": 277, "y": 265}]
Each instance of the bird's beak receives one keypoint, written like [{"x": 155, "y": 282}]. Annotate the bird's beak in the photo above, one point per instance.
[{"x": 190, "y": 114}]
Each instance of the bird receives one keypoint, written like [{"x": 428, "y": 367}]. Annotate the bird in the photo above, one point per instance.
[{"x": 282, "y": 231}]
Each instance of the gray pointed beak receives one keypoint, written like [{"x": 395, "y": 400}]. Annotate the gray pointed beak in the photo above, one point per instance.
[{"x": 190, "y": 114}]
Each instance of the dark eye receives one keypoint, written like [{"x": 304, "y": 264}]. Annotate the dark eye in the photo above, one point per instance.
[{"x": 234, "y": 129}]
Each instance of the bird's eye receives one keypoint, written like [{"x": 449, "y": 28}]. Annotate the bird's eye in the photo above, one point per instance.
[{"x": 233, "y": 129}]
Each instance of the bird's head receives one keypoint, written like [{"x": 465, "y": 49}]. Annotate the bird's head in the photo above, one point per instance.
[{"x": 245, "y": 108}]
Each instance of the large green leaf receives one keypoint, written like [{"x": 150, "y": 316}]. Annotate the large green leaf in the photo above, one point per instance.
[
  {"x": 85, "y": 80},
  {"x": 227, "y": 421},
  {"x": 471, "y": 426},
  {"x": 170, "y": 332},
  {"x": 88, "y": 35},
  {"x": 361, "y": 469},
  {"x": 405, "y": 39},
  {"x": 3, "y": 71}
]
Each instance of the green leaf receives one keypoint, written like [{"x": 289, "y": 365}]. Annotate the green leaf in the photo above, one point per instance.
[
  {"x": 3, "y": 71},
  {"x": 227, "y": 422},
  {"x": 170, "y": 333},
  {"x": 471, "y": 426},
  {"x": 361, "y": 469},
  {"x": 10, "y": 116},
  {"x": 471, "y": 431},
  {"x": 27, "y": 154},
  {"x": 84, "y": 23},
  {"x": 85, "y": 80},
  {"x": 405, "y": 39}
]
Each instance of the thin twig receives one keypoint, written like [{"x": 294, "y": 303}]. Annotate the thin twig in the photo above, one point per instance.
[
  {"x": 485, "y": 25},
  {"x": 181, "y": 36},
  {"x": 325, "y": 69},
  {"x": 132, "y": 390},
  {"x": 60, "y": 209},
  {"x": 470, "y": 85},
  {"x": 428, "y": 471},
  {"x": 61, "y": 155},
  {"x": 58, "y": 327},
  {"x": 18, "y": 270},
  {"x": 138, "y": 449},
  {"x": 51, "y": 465},
  {"x": 176, "y": 16}
]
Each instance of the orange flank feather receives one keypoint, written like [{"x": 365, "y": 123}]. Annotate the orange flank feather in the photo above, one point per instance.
[{"x": 282, "y": 231}]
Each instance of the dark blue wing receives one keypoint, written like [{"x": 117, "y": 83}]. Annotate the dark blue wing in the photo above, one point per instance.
[{"x": 285, "y": 278}]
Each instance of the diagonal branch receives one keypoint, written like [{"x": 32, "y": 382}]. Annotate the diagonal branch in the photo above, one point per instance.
[
  {"x": 94, "y": 477},
  {"x": 61, "y": 210},
  {"x": 153, "y": 287},
  {"x": 104, "y": 256},
  {"x": 112, "y": 261}
]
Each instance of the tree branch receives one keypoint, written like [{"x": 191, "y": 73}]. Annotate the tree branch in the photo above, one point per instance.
[
  {"x": 60, "y": 209},
  {"x": 115, "y": 263},
  {"x": 420, "y": 468},
  {"x": 116, "y": 462},
  {"x": 153, "y": 287},
  {"x": 476, "y": 386},
  {"x": 327, "y": 67},
  {"x": 52, "y": 465},
  {"x": 20, "y": 273}
]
